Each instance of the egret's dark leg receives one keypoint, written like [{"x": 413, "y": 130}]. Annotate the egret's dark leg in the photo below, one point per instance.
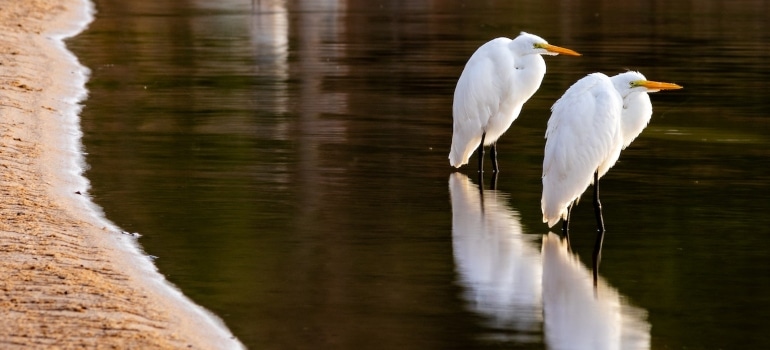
[
  {"x": 565, "y": 222},
  {"x": 597, "y": 254},
  {"x": 493, "y": 156},
  {"x": 565, "y": 225},
  {"x": 493, "y": 185},
  {"x": 598, "y": 204},
  {"x": 480, "y": 151}
]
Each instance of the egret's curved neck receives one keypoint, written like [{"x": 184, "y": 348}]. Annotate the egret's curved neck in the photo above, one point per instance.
[
  {"x": 530, "y": 70},
  {"x": 637, "y": 111}
]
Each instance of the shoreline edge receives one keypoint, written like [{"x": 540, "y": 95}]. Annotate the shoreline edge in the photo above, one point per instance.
[{"x": 68, "y": 277}]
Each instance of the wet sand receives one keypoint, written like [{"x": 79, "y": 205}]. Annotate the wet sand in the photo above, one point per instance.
[{"x": 68, "y": 277}]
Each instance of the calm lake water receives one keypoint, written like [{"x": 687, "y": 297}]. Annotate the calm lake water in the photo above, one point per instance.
[{"x": 286, "y": 161}]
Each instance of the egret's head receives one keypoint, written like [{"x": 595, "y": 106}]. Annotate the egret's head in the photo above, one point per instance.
[
  {"x": 527, "y": 43},
  {"x": 632, "y": 81}
]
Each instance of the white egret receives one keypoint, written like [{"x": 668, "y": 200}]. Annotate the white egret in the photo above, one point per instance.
[
  {"x": 590, "y": 124},
  {"x": 499, "y": 77}
]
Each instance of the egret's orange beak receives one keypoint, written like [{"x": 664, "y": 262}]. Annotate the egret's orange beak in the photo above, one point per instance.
[
  {"x": 656, "y": 85},
  {"x": 559, "y": 49}
]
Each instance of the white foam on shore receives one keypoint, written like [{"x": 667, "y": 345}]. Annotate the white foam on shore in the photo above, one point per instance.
[{"x": 70, "y": 179}]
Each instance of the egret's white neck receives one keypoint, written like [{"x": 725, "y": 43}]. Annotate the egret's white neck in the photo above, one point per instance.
[
  {"x": 530, "y": 70},
  {"x": 637, "y": 111}
]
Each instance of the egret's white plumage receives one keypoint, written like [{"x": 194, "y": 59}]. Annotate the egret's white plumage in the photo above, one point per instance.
[
  {"x": 499, "y": 77},
  {"x": 583, "y": 136},
  {"x": 590, "y": 124}
]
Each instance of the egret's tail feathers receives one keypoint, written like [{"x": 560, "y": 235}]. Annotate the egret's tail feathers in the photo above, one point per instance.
[
  {"x": 552, "y": 214},
  {"x": 460, "y": 158},
  {"x": 463, "y": 146},
  {"x": 551, "y": 221},
  {"x": 456, "y": 161}
]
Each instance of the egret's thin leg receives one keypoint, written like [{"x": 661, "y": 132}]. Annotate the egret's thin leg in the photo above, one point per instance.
[
  {"x": 493, "y": 185},
  {"x": 597, "y": 254},
  {"x": 480, "y": 151},
  {"x": 598, "y": 204},
  {"x": 493, "y": 156},
  {"x": 565, "y": 225},
  {"x": 565, "y": 222}
]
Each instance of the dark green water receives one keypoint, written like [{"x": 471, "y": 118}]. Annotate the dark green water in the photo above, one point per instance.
[{"x": 287, "y": 163}]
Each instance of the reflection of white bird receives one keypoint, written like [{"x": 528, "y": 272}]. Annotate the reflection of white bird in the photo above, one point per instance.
[
  {"x": 499, "y": 266},
  {"x": 499, "y": 77},
  {"x": 580, "y": 316},
  {"x": 590, "y": 124}
]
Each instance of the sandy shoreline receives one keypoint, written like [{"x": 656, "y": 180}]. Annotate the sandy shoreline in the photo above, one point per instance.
[{"x": 68, "y": 277}]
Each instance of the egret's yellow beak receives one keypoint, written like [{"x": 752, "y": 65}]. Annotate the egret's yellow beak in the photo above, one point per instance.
[
  {"x": 656, "y": 85},
  {"x": 559, "y": 49}
]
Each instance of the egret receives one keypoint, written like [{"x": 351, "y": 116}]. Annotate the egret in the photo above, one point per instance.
[
  {"x": 590, "y": 124},
  {"x": 499, "y": 77}
]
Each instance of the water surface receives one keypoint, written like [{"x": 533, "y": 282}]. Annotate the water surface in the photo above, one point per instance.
[{"x": 286, "y": 163}]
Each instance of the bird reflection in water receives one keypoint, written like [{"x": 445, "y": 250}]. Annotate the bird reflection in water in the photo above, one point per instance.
[
  {"x": 528, "y": 292},
  {"x": 498, "y": 264},
  {"x": 580, "y": 314}
]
